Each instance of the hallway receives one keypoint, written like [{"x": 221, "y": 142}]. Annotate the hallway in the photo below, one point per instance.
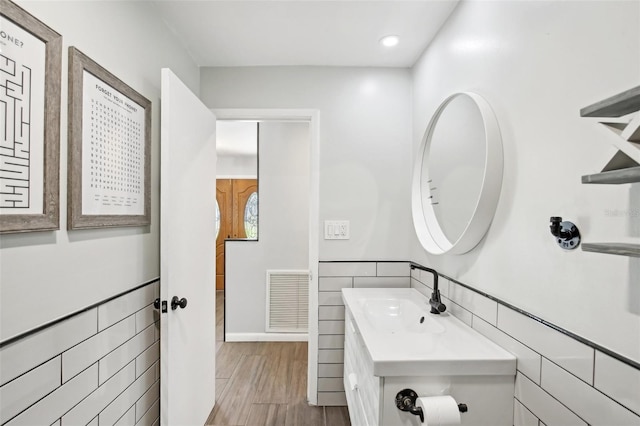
[{"x": 264, "y": 383}]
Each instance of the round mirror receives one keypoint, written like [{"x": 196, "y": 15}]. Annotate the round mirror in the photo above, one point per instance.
[{"x": 457, "y": 176}]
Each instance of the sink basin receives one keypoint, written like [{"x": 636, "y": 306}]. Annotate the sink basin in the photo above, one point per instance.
[
  {"x": 403, "y": 338},
  {"x": 395, "y": 315}
]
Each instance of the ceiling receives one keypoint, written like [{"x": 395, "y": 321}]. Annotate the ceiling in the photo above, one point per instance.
[{"x": 304, "y": 32}]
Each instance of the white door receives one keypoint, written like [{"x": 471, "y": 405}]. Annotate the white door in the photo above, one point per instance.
[{"x": 187, "y": 255}]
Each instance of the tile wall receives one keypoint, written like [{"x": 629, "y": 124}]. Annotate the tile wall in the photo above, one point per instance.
[
  {"x": 332, "y": 278},
  {"x": 560, "y": 381},
  {"x": 99, "y": 367}
]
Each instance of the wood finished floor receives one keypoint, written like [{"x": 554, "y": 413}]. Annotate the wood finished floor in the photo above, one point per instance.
[{"x": 265, "y": 383}]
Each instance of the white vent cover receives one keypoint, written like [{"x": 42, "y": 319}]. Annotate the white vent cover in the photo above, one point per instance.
[{"x": 287, "y": 301}]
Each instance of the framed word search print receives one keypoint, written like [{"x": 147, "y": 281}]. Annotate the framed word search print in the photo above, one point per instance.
[
  {"x": 30, "y": 70},
  {"x": 109, "y": 149}
]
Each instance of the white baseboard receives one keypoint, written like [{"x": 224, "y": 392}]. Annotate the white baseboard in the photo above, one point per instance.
[{"x": 266, "y": 337}]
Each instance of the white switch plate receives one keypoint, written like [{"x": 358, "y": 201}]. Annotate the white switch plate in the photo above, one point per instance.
[{"x": 336, "y": 230}]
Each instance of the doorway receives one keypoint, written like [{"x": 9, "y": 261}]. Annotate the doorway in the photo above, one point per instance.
[
  {"x": 266, "y": 279},
  {"x": 311, "y": 117},
  {"x": 236, "y": 187}
]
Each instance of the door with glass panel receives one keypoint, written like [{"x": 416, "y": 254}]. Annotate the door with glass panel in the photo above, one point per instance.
[{"x": 238, "y": 211}]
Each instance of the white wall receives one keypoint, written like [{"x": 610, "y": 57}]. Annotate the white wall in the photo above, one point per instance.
[
  {"x": 46, "y": 275},
  {"x": 237, "y": 149},
  {"x": 283, "y": 226},
  {"x": 365, "y": 144},
  {"x": 538, "y": 63},
  {"x": 237, "y": 166}
]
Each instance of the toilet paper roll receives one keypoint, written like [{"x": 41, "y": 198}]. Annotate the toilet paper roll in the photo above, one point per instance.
[{"x": 439, "y": 410}]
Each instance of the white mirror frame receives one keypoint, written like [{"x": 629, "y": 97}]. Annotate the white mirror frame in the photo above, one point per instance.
[{"x": 428, "y": 229}]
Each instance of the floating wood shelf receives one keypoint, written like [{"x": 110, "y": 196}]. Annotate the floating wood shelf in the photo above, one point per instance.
[
  {"x": 614, "y": 177},
  {"x": 621, "y": 249},
  {"x": 616, "y": 106}
]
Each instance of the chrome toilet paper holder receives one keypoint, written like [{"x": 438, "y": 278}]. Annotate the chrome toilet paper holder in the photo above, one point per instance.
[{"x": 406, "y": 401}]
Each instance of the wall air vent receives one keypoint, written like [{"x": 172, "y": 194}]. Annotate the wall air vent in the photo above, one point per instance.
[{"x": 287, "y": 301}]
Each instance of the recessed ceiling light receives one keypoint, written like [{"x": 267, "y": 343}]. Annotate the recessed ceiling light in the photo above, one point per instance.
[{"x": 390, "y": 40}]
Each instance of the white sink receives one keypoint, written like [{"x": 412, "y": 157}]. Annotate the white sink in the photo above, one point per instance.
[
  {"x": 396, "y": 315},
  {"x": 403, "y": 338}
]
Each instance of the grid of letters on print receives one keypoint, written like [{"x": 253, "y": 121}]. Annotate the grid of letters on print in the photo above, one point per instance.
[{"x": 116, "y": 154}]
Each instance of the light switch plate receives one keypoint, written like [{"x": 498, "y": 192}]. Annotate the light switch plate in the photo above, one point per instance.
[{"x": 336, "y": 230}]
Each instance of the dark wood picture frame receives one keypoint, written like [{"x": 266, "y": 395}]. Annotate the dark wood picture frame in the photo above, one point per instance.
[
  {"x": 49, "y": 219},
  {"x": 77, "y": 219}
]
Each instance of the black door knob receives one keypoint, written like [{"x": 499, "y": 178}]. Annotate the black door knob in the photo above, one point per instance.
[{"x": 175, "y": 302}]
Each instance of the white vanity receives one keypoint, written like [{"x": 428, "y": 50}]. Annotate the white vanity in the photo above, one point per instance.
[{"x": 392, "y": 342}]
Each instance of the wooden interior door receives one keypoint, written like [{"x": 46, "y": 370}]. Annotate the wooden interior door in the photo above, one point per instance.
[
  {"x": 224, "y": 196},
  {"x": 242, "y": 190},
  {"x": 232, "y": 196}
]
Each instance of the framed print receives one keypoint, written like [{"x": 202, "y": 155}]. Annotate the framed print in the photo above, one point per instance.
[
  {"x": 109, "y": 149},
  {"x": 30, "y": 69}
]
